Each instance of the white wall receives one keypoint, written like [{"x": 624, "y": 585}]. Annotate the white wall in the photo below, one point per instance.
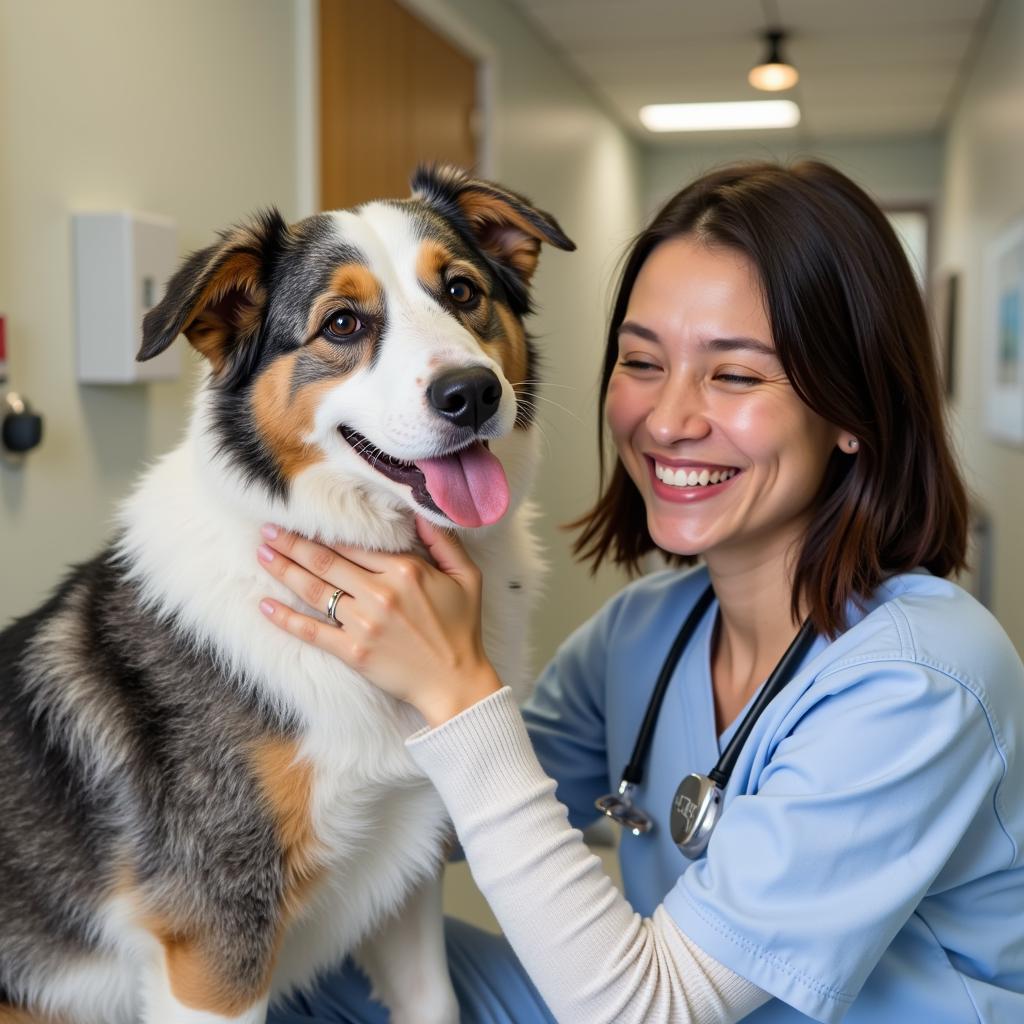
[
  {"x": 182, "y": 108},
  {"x": 898, "y": 171},
  {"x": 984, "y": 192}
]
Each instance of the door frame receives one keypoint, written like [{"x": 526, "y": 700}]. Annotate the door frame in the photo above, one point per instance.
[{"x": 443, "y": 20}]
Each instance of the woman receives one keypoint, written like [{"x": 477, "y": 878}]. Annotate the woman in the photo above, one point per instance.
[{"x": 770, "y": 387}]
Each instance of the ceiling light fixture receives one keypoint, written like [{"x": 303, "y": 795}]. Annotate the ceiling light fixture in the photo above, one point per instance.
[
  {"x": 711, "y": 117},
  {"x": 774, "y": 73}
]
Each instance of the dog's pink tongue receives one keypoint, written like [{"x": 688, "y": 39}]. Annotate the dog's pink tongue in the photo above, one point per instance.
[{"x": 469, "y": 487}]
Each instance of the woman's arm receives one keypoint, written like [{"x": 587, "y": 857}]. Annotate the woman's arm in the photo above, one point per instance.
[
  {"x": 591, "y": 956},
  {"x": 414, "y": 631}
]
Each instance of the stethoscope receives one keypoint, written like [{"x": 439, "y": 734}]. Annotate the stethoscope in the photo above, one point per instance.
[{"x": 698, "y": 800}]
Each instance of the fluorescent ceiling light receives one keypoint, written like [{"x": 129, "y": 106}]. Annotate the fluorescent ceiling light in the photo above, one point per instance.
[{"x": 712, "y": 117}]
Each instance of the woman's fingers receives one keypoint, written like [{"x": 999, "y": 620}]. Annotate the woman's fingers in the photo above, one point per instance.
[
  {"x": 313, "y": 589},
  {"x": 314, "y": 572},
  {"x": 311, "y": 570},
  {"x": 409, "y": 626},
  {"x": 321, "y": 559},
  {"x": 339, "y": 642},
  {"x": 446, "y": 550}
]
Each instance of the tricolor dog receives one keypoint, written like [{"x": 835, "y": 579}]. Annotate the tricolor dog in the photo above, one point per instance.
[{"x": 197, "y": 811}]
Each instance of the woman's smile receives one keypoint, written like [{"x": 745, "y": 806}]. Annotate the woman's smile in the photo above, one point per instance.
[{"x": 676, "y": 480}]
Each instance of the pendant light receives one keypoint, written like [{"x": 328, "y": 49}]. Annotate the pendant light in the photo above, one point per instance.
[{"x": 774, "y": 73}]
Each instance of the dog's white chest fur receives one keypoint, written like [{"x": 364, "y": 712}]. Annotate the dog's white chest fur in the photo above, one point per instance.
[{"x": 381, "y": 826}]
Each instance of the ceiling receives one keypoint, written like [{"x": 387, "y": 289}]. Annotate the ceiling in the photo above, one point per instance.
[{"x": 868, "y": 68}]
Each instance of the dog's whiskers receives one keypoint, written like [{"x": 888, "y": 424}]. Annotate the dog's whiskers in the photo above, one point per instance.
[
  {"x": 530, "y": 403},
  {"x": 362, "y": 447},
  {"x": 545, "y": 384},
  {"x": 536, "y": 425}
]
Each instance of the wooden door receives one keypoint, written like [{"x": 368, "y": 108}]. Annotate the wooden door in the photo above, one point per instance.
[{"x": 393, "y": 93}]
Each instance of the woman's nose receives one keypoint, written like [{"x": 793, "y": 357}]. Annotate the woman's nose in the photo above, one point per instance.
[{"x": 680, "y": 413}]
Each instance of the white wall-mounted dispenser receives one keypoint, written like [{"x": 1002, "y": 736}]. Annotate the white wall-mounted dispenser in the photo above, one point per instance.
[{"x": 122, "y": 261}]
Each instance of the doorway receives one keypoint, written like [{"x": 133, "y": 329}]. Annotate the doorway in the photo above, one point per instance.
[{"x": 393, "y": 93}]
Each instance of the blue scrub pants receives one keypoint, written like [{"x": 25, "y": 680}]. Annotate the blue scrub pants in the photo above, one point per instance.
[{"x": 489, "y": 981}]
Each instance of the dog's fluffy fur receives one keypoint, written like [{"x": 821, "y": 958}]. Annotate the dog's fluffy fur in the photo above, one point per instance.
[{"x": 198, "y": 812}]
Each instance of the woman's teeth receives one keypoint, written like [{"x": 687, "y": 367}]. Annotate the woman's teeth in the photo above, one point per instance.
[{"x": 692, "y": 477}]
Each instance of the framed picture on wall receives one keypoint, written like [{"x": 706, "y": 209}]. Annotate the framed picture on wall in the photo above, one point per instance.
[{"x": 1004, "y": 372}]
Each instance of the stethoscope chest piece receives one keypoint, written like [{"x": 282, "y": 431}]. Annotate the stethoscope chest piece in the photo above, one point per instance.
[
  {"x": 694, "y": 813},
  {"x": 621, "y": 809}
]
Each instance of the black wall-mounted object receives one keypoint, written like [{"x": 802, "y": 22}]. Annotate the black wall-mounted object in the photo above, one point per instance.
[{"x": 21, "y": 429}]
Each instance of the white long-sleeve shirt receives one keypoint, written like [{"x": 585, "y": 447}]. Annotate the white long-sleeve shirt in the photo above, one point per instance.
[{"x": 591, "y": 956}]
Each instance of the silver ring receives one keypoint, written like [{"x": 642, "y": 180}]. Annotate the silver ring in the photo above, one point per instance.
[{"x": 332, "y": 604}]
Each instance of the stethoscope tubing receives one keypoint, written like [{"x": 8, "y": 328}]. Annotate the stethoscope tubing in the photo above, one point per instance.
[
  {"x": 633, "y": 773},
  {"x": 773, "y": 686},
  {"x": 692, "y": 831}
]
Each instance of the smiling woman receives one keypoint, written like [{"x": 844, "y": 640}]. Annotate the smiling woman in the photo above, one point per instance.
[
  {"x": 801, "y": 274},
  {"x": 770, "y": 388}
]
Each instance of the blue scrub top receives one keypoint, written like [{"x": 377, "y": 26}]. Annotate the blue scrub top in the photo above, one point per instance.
[{"x": 867, "y": 866}]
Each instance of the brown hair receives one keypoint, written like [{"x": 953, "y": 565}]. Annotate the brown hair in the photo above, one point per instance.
[{"x": 852, "y": 335}]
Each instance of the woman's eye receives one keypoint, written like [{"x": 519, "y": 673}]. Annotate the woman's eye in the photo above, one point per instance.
[
  {"x": 462, "y": 291},
  {"x": 637, "y": 364},
  {"x": 342, "y": 326},
  {"x": 737, "y": 378}
]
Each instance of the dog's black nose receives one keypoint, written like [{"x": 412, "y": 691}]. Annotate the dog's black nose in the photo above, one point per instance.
[{"x": 468, "y": 397}]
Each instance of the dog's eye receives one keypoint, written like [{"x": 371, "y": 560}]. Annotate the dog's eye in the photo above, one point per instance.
[
  {"x": 462, "y": 291},
  {"x": 341, "y": 326}
]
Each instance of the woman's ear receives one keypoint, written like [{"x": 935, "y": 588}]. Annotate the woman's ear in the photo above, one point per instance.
[
  {"x": 848, "y": 444},
  {"x": 218, "y": 298}
]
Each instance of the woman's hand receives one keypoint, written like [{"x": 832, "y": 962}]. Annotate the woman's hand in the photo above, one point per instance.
[{"x": 411, "y": 628}]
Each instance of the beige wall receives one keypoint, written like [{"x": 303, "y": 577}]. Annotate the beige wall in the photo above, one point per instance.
[
  {"x": 984, "y": 192},
  {"x": 183, "y": 109}
]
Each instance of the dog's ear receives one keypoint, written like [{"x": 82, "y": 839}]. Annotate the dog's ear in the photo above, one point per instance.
[
  {"x": 506, "y": 227},
  {"x": 218, "y": 297}
]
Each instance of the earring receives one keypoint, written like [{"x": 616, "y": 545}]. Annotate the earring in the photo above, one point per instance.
[{"x": 853, "y": 444}]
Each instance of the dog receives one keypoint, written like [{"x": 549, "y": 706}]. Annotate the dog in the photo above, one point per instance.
[{"x": 198, "y": 813}]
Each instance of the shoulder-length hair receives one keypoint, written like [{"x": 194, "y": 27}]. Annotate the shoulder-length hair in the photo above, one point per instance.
[{"x": 851, "y": 332}]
